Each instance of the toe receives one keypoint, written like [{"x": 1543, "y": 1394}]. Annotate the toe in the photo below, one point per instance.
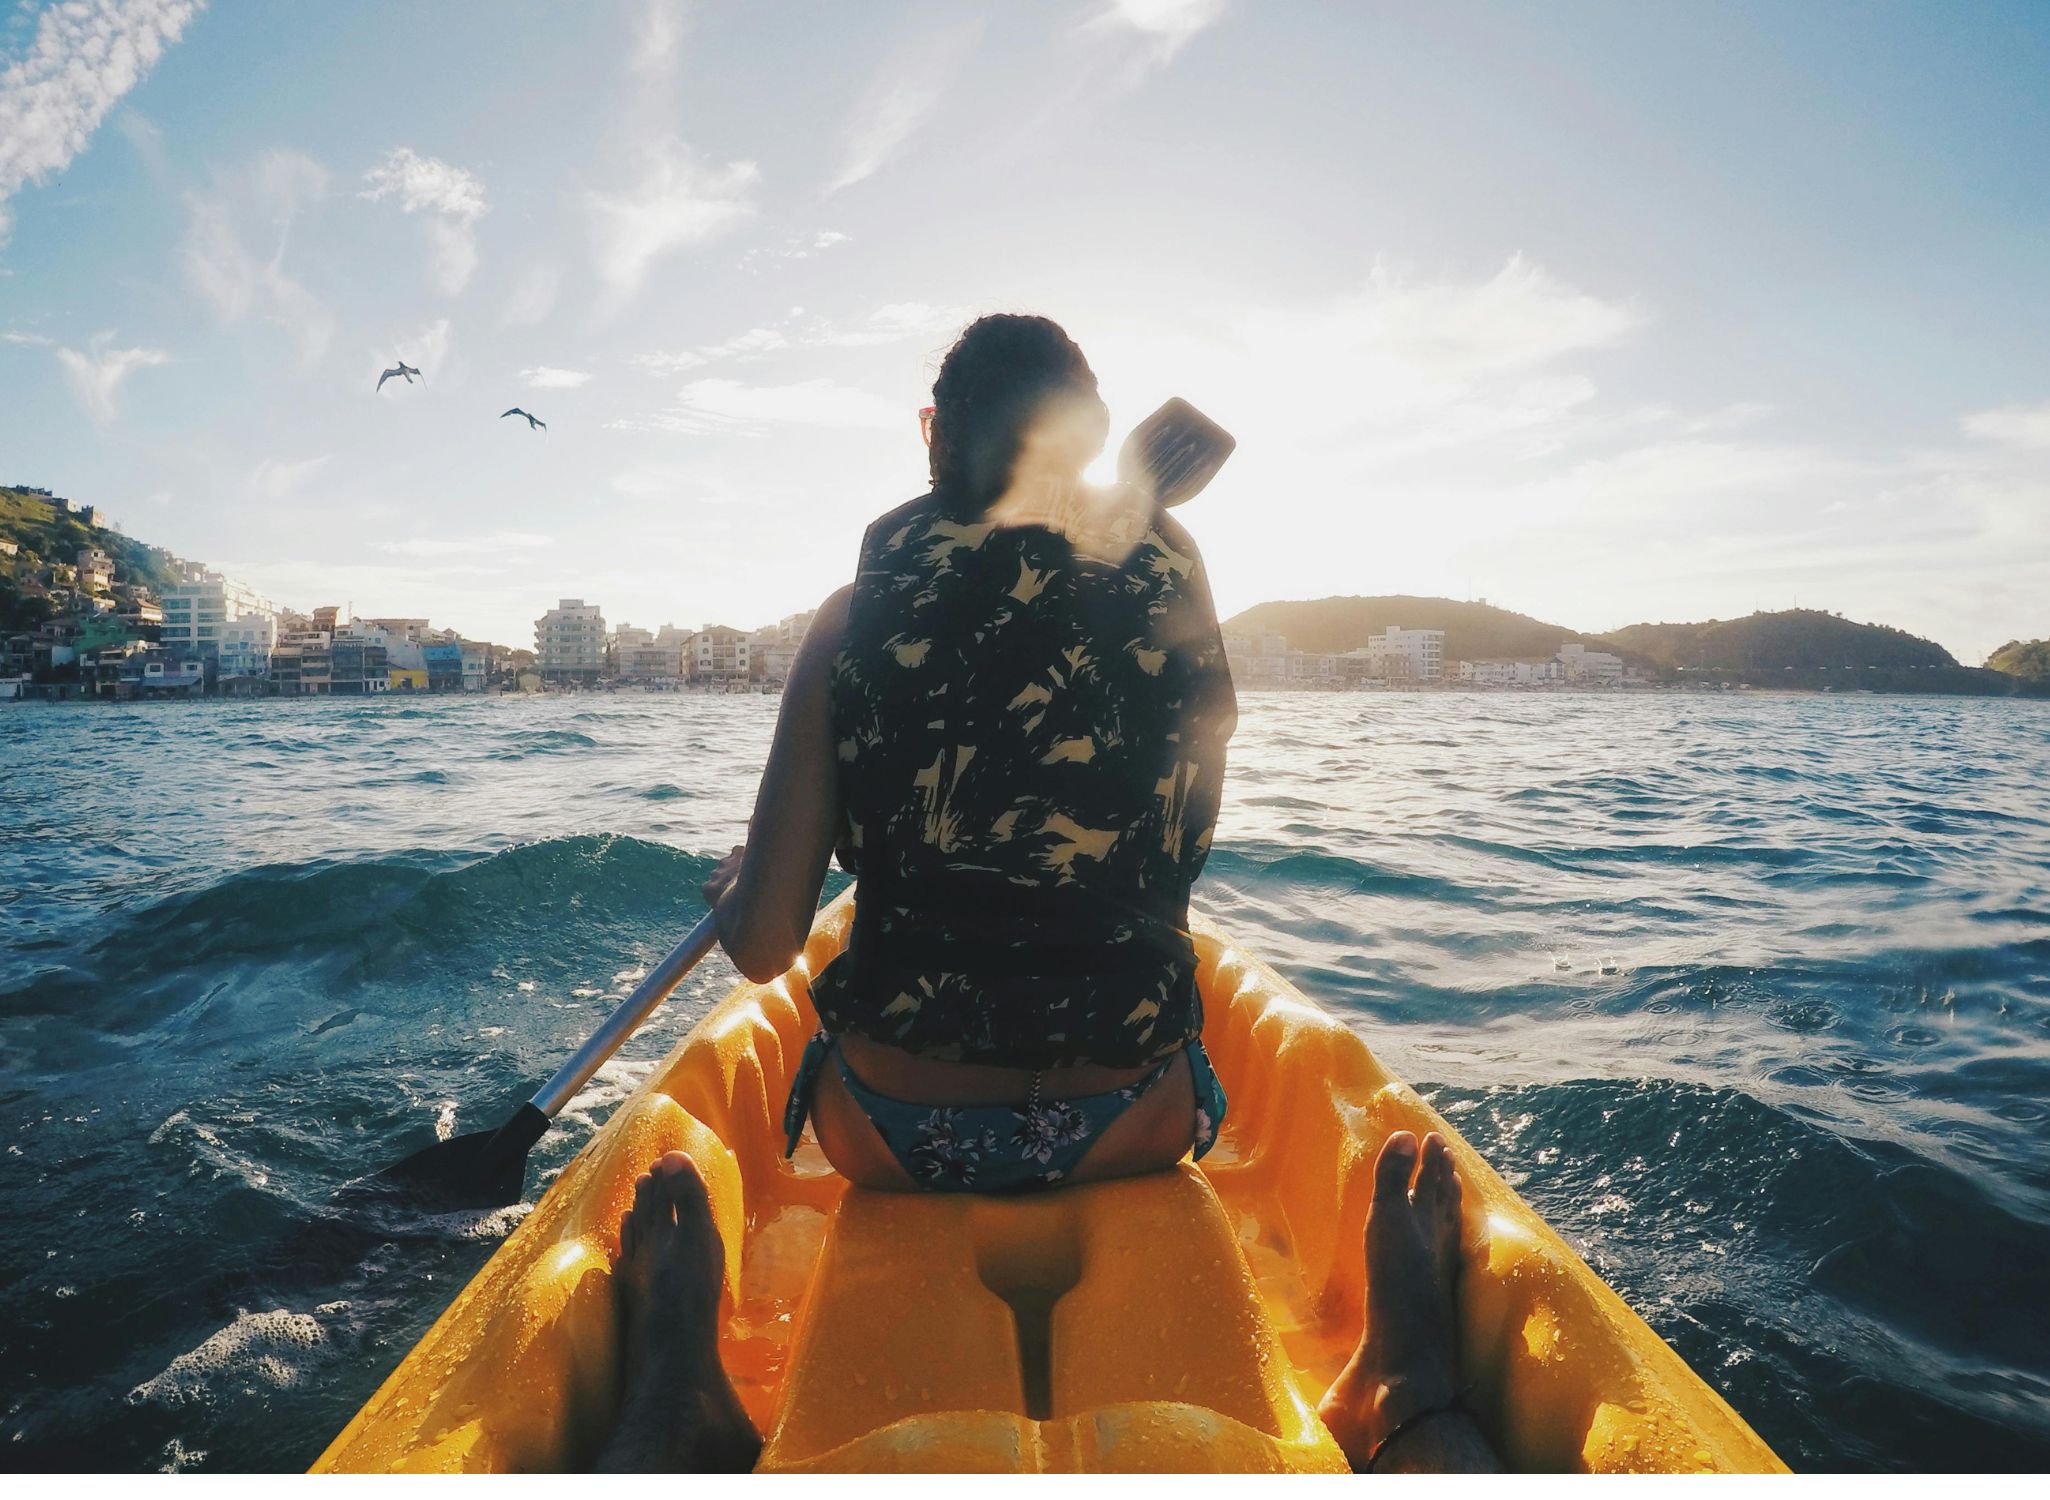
[
  {"x": 684, "y": 1185},
  {"x": 626, "y": 1234},
  {"x": 1392, "y": 1168}
]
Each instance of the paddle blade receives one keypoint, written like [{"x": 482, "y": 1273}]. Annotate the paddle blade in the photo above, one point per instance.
[
  {"x": 484, "y": 1169},
  {"x": 1174, "y": 453}
]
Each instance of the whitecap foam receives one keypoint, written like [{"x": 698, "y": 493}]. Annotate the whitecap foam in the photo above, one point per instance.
[{"x": 274, "y": 1349}]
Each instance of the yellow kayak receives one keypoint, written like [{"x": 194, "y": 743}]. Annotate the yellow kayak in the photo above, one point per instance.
[{"x": 1187, "y": 1321}]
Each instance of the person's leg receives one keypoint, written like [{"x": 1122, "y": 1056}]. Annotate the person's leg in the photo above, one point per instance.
[
  {"x": 1407, "y": 1363},
  {"x": 677, "y": 1412}
]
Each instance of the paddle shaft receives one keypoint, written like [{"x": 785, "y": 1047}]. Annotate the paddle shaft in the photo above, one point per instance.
[{"x": 627, "y": 1018}]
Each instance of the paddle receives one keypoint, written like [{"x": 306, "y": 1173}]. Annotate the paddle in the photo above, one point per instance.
[
  {"x": 1173, "y": 454},
  {"x": 488, "y": 1168}
]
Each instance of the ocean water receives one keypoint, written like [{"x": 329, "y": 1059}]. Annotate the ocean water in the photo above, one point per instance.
[{"x": 1750, "y": 995}]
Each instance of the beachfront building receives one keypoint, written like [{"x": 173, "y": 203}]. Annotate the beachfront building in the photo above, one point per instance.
[
  {"x": 1257, "y": 660},
  {"x": 200, "y": 603},
  {"x": 1590, "y": 668},
  {"x": 660, "y": 657},
  {"x": 358, "y": 666},
  {"x": 719, "y": 653},
  {"x": 476, "y": 666},
  {"x": 243, "y": 648},
  {"x": 570, "y": 643},
  {"x": 1398, "y": 655},
  {"x": 773, "y": 648},
  {"x": 300, "y": 664}
]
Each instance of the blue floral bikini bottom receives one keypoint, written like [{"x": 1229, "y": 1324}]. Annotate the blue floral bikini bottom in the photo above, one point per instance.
[{"x": 995, "y": 1148}]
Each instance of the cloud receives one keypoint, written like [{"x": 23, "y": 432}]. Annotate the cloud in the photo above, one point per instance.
[
  {"x": 453, "y": 200},
  {"x": 1166, "y": 26},
  {"x": 658, "y": 28},
  {"x": 712, "y": 405},
  {"x": 899, "y": 99},
  {"x": 31, "y": 340},
  {"x": 237, "y": 280},
  {"x": 675, "y": 201},
  {"x": 96, "y": 377},
  {"x": 888, "y": 324},
  {"x": 2015, "y": 426},
  {"x": 467, "y": 546},
  {"x": 276, "y": 480},
  {"x": 548, "y": 378},
  {"x": 86, "y": 55},
  {"x": 797, "y": 247}
]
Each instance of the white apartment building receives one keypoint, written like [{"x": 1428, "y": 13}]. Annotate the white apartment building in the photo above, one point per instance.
[
  {"x": 1511, "y": 673},
  {"x": 570, "y": 642},
  {"x": 476, "y": 666},
  {"x": 245, "y": 645},
  {"x": 199, "y": 604},
  {"x": 1407, "y": 655},
  {"x": 1585, "y": 666}
]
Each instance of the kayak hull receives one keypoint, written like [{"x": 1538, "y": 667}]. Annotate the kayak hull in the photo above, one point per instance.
[{"x": 1184, "y": 1321}]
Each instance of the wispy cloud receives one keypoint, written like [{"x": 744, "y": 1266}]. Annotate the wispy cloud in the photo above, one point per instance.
[
  {"x": 86, "y": 55},
  {"x": 96, "y": 377},
  {"x": 888, "y": 324},
  {"x": 276, "y": 479},
  {"x": 31, "y": 340},
  {"x": 237, "y": 280},
  {"x": 549, "y": 378},
  {"x": 2016, "y": 426},
  {"x": 467, "y": 546},
  {"x": 674, "y": 201},
  {"x": 901, "y": 98},
  {"x": 453, "y": 200},
  {"x": 797, "y": 247},
  {"x": 1165, "y": 26},
  {"x": 657, "y": 31},
  {"x": 712, "y": 405}
]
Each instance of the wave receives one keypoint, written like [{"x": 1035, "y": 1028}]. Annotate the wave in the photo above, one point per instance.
[{"x": 383, "y": 913}]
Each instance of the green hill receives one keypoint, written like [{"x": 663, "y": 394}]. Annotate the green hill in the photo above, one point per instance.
[
  {"x": 2028, "y": 660},
  {"x": 47, "y": 534},
  {"x": 1473, "y": 631},
  {"x": 1808, "y": 648}
]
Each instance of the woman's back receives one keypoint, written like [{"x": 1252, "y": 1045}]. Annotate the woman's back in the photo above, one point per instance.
[{"x": 1030, "y": 736}]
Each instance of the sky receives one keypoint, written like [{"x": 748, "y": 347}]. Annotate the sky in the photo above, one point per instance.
[{"x": 1604, "y": 312}]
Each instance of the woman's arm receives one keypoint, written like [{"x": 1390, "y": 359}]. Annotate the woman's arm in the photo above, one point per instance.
[{"x": 767, "y": 892}]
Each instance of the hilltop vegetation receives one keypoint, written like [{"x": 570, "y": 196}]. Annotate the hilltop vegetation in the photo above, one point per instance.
[
  {"x": 2028, "y": 660},
  {"x": 1807, "y": 648},
  {"x": 1792, "y": 648},
  {"x": 55, "y": 535},
  {"x": 51, "y": 536},
  {"x": 1473, "y": 631}
]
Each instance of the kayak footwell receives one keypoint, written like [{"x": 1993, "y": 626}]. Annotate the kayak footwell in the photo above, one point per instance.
[{"x": 1186, "y": 1321}]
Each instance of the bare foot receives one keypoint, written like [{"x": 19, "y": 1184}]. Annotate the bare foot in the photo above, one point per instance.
[
  {"x": 678, "y": 1412},
  {"x": 1407, "y": 1361}
]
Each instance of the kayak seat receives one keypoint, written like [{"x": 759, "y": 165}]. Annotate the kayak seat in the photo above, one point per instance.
[{"x": 1107, "y": 1327}]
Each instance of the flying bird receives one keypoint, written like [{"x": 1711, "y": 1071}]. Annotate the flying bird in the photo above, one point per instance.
[
  {"x": 401, "y": 368},
  {"x": 532, "y": 420}
]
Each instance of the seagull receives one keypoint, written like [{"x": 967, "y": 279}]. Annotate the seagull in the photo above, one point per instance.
[
  {"x": 402, "y": 368},
  {"x": 532, "y": 420}
]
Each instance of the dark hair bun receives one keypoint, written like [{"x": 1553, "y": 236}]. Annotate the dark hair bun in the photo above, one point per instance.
[{"x": 992, "y": 385}]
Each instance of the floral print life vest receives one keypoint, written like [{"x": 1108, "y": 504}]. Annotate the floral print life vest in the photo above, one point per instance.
[{"x": 1030, "y": 719}]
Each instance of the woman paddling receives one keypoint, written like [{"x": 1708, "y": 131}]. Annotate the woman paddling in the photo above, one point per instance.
[{"x": 1012, "y": 727}]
